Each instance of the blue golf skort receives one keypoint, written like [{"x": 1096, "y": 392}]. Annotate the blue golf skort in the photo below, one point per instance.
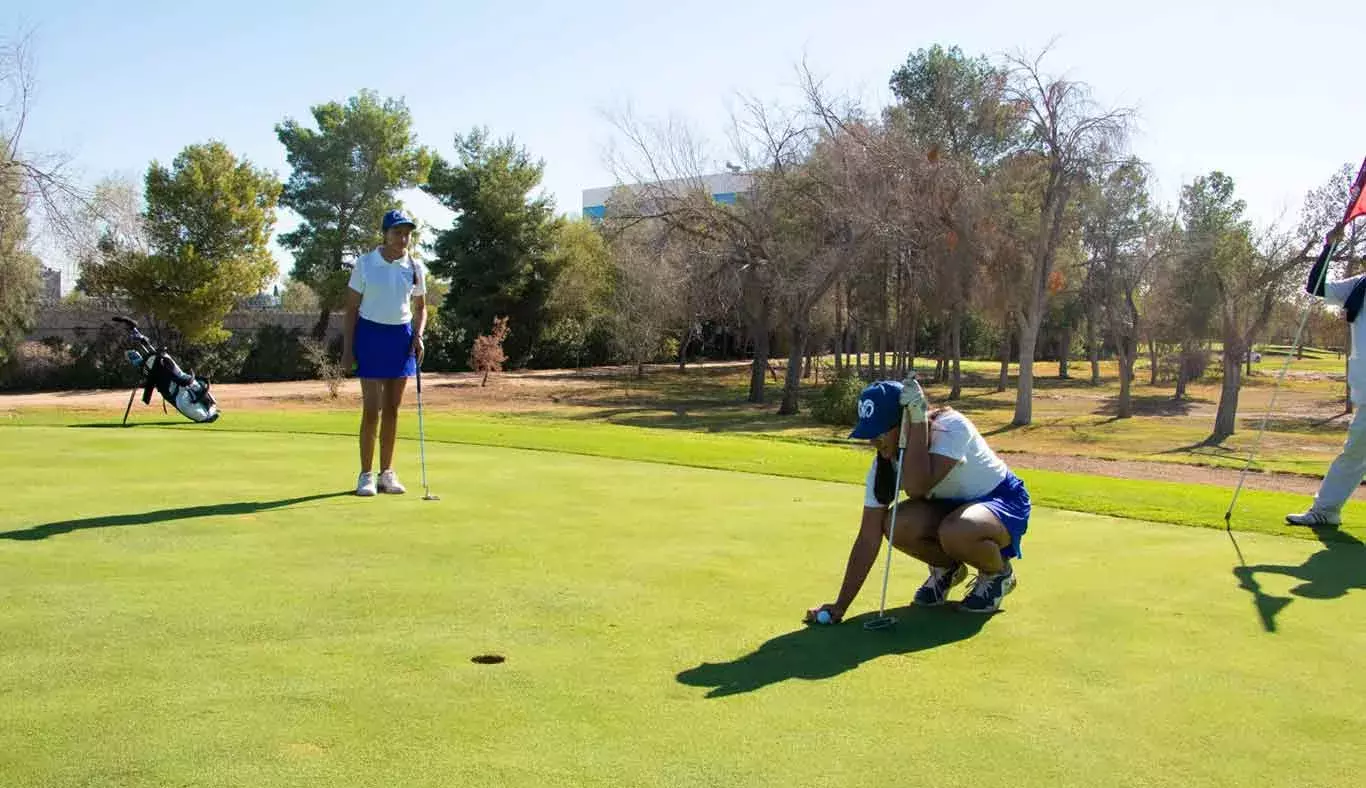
[{"x": 384, "y": 350}]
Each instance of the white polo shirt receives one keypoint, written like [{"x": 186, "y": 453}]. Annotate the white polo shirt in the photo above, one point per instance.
[
  {"x": 1335, "y": 292},
  {"x": 386, "y": 288},
  {"x": 977, "y": 470}
]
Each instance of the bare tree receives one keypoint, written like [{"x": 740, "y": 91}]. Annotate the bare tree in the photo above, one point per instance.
[
  {"x": 1071, "y": 135},
  {"x": 646, "y": 295},
  {"x": 42, "y": 179}
]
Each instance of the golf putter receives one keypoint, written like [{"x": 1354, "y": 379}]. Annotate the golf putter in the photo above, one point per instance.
[
  {"x": 422, "y": 442},
  {"x": 884, "y": 621}
]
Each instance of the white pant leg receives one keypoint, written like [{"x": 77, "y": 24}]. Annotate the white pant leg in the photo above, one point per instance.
[{"x": 1347, "y": 470}]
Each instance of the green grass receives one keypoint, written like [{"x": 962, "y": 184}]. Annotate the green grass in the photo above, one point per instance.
[
  {"x": 191, "y": 606},
  {"x": 1170, "y": 502}
]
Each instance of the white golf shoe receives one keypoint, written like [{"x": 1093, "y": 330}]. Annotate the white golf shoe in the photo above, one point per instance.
[
  {"x": 1315, "y": 518},
  {"x": 365, "y": 484},
  {"x": 389, "y": 483}
]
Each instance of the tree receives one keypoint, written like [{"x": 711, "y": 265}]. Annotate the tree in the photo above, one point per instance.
[
  {"x": 955, "y": 104},
  {"x": 1071, "y": 135},
  {"x": 1248, "y": 276},
  {"x": 579, "y": 302},
  {"x": 20, "y": 274},
  {"x": 40, "y": 179},
  {"x": 486, "y": 355},
  {"x": 497, "y": 251},
  {"x": 1119, "y": 235},
  {"x": 33, "y": 185},
  {"x": 346, "y": 174},
  {"x": 646, "y": 295},
  {"x": 207, "y": 226},
  {"x": 298, "y": 297}
]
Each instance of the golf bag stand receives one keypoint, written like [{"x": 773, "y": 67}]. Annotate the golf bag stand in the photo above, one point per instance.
[{"x": 188, "y": 393}]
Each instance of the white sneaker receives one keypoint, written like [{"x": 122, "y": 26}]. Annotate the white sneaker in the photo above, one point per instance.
[
  {"x": 365, "y": 485},
  {"x": 1315, "y": 518},
  {"x": 389, "y": 483}
]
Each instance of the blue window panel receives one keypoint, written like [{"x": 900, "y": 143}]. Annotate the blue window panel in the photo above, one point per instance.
[
  {"x": 595, "y": 211},
  {"x": 725, "y": 197}
]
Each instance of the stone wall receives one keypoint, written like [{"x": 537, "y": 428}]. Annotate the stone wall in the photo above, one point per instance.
[{"x": 77, "y": 322}]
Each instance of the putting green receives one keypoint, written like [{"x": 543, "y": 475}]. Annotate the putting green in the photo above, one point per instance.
[{"x": 211, "y": 608}]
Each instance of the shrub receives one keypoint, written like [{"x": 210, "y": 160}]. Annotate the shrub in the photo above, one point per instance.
[{"x": 837, "y": 402}]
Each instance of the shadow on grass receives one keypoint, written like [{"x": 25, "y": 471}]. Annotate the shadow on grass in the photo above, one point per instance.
[
  {"x": 1304, "y": 424},
  {"x": 1328, "y": 574},
  {"x": 822, "y": 652},
  {"x": 117, "y": 426},
  {"x": 704, "y": 418},
  {"x": 46, "y": 530},
  {"x": 1151, "y": 405}
]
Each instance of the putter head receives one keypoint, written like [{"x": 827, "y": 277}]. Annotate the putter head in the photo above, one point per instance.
[
  {"x": 430, "y": 497},
  {"x": 881, "y": 622}
]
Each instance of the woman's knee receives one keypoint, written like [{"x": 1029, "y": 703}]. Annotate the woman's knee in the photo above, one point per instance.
[
  {"x": 915, "y": 521},
  {"x": 965, "y": 528}
]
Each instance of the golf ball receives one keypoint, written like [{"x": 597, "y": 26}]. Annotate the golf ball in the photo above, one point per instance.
[{"x": 823, "y": 617}]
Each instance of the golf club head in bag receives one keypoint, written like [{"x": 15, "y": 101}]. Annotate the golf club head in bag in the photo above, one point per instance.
[{"x": 187, "y": 393}]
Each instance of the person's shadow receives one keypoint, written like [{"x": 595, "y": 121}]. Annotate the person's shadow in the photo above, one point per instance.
[
  {"x": 822, "y": 652},
  {"x": 1328, "y": 574},
  {"x": 159, "y": 516}
]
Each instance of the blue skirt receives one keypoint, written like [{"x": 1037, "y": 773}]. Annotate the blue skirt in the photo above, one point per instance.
[
  {"x": 1011, "y": 505},
  {"x": 384, "y": 350}
]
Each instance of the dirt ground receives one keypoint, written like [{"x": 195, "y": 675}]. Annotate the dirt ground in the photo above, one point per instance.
[{"x": 544, "y": 390}]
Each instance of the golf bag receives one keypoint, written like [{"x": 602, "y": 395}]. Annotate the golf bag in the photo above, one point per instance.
[{"x": 186, "y": 392}]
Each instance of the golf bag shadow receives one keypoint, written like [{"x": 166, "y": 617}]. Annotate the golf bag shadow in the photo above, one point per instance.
[{"x": 187, "y": 393}]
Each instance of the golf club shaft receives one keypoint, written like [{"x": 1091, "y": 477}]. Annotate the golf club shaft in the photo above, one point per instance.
[
  {"x": 421, "y": 434},
  {"x": 1289, "y": 357},
  {"x": 896, "y": 497}
]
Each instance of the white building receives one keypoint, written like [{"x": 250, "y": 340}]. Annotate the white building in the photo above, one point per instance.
[{"x": 725, "y": 187}]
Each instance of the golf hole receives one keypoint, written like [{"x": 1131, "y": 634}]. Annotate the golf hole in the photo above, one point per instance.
[{"x": 488, "y": 659}]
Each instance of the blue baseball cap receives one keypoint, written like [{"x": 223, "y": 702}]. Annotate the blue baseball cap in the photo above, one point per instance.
[
  {"x": 879, "y": 409},
  {"x": 395, "y": 218}
]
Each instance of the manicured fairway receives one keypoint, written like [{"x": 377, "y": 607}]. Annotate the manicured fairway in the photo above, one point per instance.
[{"x": 212, "y": 608}]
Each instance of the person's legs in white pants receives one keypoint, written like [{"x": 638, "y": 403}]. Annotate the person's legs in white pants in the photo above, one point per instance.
[{"x": 1342, "y": 478}]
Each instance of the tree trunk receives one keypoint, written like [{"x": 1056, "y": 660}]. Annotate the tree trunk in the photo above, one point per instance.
[
  {"x": 912, "y": 317},
  {"x": 956, "y": 350},
  {"x": 1093, "y": 349},
  {"x": 1225, "y": 419},
  {"x": 1005, "y": 356},
  {"x": 1050, "y": 234},
  {"x": 1024, "y": 396},
  {"x": 1065, "y": 353},
  {"x": 1152, "y": 361},
  {"x": 841, "y": 332},
  {"x": 856, "y": 336},
  {"x": 683, "y": 352},
  {"x": 485, "y": 381},
  {"x": 320, "y": 327},
  {"x": 792, "y": 385},
  {"x": 1125, "y": 407},
  {"x": 760, "y": 330}
]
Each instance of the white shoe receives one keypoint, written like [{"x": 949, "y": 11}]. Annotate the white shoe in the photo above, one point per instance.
[
  {"x": 1315, "y": 518},
  {"x": 389, "y": 483},
  {"x": 365, "y": 485}
]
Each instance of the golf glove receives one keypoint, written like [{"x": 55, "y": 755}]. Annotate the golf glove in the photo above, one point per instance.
[{"x": 913, "y": 399}]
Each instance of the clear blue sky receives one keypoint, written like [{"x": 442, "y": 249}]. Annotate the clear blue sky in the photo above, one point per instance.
[{"x": 1266, "y": 90}]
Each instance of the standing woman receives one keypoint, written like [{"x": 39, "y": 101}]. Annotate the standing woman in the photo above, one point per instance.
[{"x": 386, "y": 313}]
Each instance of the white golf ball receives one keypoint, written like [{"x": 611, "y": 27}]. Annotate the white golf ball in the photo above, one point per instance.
[{"x": 823, "y": 617}]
